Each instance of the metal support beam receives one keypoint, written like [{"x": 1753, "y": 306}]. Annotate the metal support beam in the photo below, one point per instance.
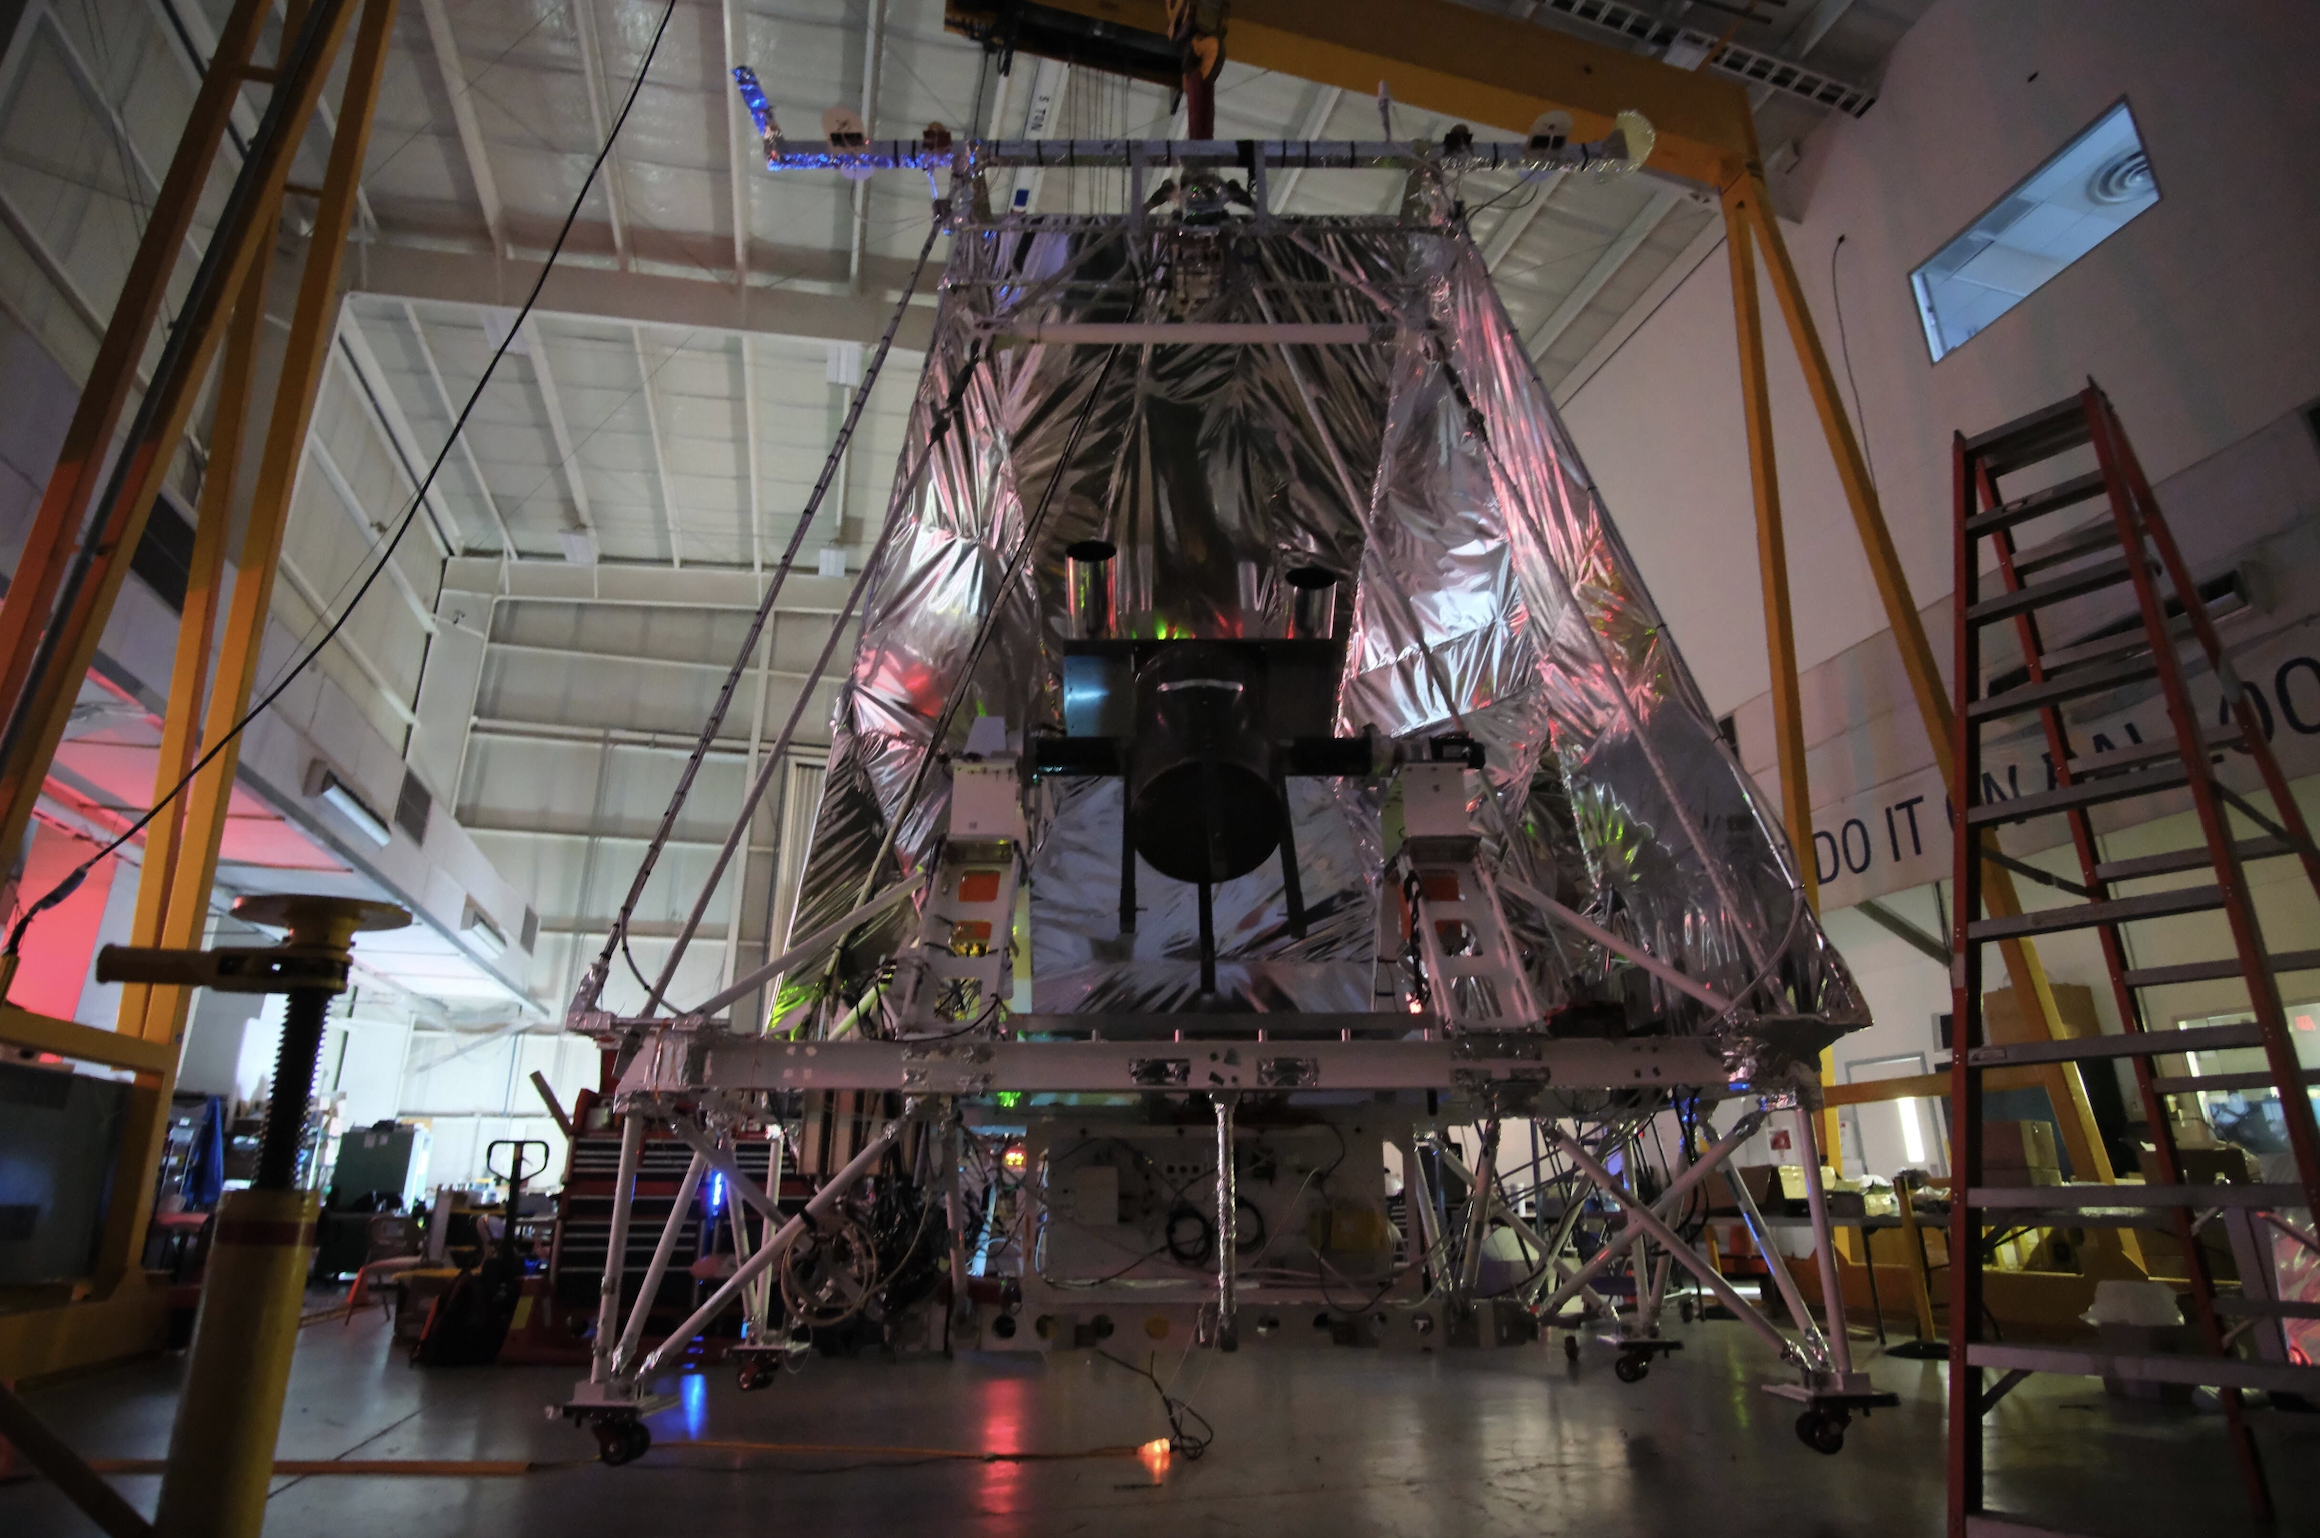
[
  {"x": 801, "y": 300},
  {"x": 1481, "y": 68},
  {"x": 1623, "y": 246},
  {"x": 741, "y": 142},
  {"x": 752, "y": 462},
  {"x": 1517, "y": 219},
  {"x": 1313, "y": 126},
  {"x": 2027, "y": 975},
  {"x": 455, "y": 85},
  {"x": 873, "y": 56},
  {"x": 444, "y": 403},
  {"x": 1771, "y": 548},
  {"x": 1926, "y": 945},
  {"x": 51, "y": 546},
  {"x": 592, "y": 75},
  {"x": 362, "y": 364},
  {"x": 652, "y": 422},
  {"x": 559, "y": 429}
]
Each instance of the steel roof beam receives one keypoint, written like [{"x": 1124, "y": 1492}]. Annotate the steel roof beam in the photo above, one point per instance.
[
  {"x": 567, "y": 455},
  {"x": 422, "y": 276},
  {"x": 1606, "y": 266},
  {"x": 592, "y": 75},
  {"x": 471, "y": 144},
  {"x": 652, "y": 422}
]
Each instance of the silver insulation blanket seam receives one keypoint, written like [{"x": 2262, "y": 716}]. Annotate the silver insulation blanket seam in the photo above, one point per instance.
[{"x": 1491, "y": 595}]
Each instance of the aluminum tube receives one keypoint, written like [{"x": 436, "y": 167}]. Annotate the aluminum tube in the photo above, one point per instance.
[
  {"x": 954, "y": 1214},
  {"x": 1679, "y": 1188},
  {"x": 1615, "y": 943},
  {"x": 1227, "y": 1228},
  {"x": 1650, "y": 1222},
  {"x": 1090, "y": 588},
  {"x": 616, "y": 1249},
  {"x": 774, "y": 1249},
  {"x": 834, "y": 930},
  {"x": 1312, "y": 603},
  {"x": 625, "y": 1352},
  {"x": 1481, "y": 1188},
  {"x": 1824, "y": 1247},
  {"x": 1777, "y": 1268}
]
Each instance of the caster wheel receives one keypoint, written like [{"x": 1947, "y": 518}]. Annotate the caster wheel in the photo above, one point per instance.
[
  {"x": 1571, "y": 1349},
  {"x": 1631, "y": 1369},
  {"x": 1684, "y": 1309},
  {"x": 1822, "y": 1430},
  {"x": 622, "y": 1441},
  {"x": 752, "y": 1375}
]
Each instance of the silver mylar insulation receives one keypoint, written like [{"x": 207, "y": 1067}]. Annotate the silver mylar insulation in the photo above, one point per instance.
[{"x": 1416, "y": 452}]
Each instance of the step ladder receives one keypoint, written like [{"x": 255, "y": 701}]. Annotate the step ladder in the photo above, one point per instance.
[{"x": 2125, "y": 545}]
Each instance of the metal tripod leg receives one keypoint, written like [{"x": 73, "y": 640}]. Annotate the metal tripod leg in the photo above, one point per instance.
[
  {"x": 616, "y": 1249},
  {"x": 1685, "y": 1255},
  {"x": 641, "y": 1310},
  {"x": 776, "y": 1247}
]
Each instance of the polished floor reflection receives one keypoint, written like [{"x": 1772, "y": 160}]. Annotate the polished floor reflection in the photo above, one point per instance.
[{"x": 1314, "y": 1443}]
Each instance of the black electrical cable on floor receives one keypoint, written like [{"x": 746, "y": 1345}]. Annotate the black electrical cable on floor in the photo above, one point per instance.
[{"x": 71, "y": 883}]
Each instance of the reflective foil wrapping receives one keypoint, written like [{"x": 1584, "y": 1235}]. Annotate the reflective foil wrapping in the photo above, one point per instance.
[{"x": 1491, "y": 595}]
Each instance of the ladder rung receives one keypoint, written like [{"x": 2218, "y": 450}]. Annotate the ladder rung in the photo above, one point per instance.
[
  {"x": 2087, "y": 579},
  {"x": 2209, "y": 971},
  {"x": 2243, "y": 1307},
  {"x": 2135, "y": 754},
  {"x": 2159, "y": 1367},
  {"x": 2053, "y": 499},
  {"x": 2028, "y": 439},
  {"x": 2102, "y": 534},
  {"x": 2132, "y": 1198},
  {"x": 2055, "y": 691},
  {"x": 2198, "y": 857},
  {"x": 2065, "y": 798},
  {"x": 2218, "y": 1083},
  {"x": 2132, "y": 639},
  {"x": 2116, "y": 910},
  {"x": 1986, "y": 1524},
  {"x": 2198, "y": 1038}
]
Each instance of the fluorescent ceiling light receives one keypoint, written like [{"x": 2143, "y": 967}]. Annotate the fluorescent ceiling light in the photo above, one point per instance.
[
  {"x": 326, "y": 786},
  {"x": 579, "y": 546},
  {"x": 482, "y": 931}
]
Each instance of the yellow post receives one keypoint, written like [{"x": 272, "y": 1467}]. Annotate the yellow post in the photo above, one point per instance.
[
  {"x": 65, "y": 642},
  {"x": 2024, "y": 972},
  {"x": 221, "y": 1451},
  {"x": 1772, "y": 566}
]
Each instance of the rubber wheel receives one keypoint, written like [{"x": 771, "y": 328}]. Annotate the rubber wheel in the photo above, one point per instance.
[
  {"x": 752, "y": 1375},
  {"x": 1632, "y": 1368},
  {"x": 1821, "y": 1430},
  {"x": 1571, "y": 1349},
  {"x": 622, "y": 1441}
]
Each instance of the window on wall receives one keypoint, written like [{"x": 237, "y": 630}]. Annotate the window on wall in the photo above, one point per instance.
[{"x": 2082, "y": 197}]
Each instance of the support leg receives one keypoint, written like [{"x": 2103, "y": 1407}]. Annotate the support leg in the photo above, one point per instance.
[
  {"x": 687, "y": 1189},
  {"x": 1207, "y": 940},
  {"x": 1227, "y": 1219},
  {"x": 1824, "y": 1247},
  {"x": 616, "y": 1248}
]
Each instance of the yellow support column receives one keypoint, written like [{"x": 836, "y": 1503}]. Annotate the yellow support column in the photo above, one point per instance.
[
  {"x": 2023, "y": 970},
  {"x": 1772, "y": 565}
]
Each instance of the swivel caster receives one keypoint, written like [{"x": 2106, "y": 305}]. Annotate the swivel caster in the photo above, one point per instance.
[
  {"x": 753, "y": 1374},
  {"x": 1822, "y": 1430},
  {"x": 1632, "y": 1367},
  {"x": 621, "y": 1439}
]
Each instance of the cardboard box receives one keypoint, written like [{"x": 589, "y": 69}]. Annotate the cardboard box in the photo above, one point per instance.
[
  {"x": 2225, "y": 1165},
  {"x": 2015, "y": 1175},
  {"x": 2002, "y": 1017},
  {"x": 2019, "y": 1145}
]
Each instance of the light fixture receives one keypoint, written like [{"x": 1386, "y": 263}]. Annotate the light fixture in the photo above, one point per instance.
[
  {"x": 477, "y": 927},
  {"x": 323, "y": 783},
  {"x": 579, "y": 546}
]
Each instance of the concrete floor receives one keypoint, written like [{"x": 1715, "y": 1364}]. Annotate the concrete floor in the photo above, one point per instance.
[{"x": 1330, "y": 1443}]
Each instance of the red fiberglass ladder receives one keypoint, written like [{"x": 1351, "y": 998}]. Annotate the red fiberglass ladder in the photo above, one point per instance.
[{"x": 2170, "y": 638}]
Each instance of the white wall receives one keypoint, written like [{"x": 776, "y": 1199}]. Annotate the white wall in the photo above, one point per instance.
[{"x": 2201, "y": 318}]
